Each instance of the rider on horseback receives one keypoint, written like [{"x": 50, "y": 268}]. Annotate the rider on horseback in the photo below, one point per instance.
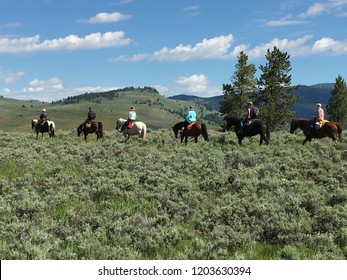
[
  {"x": 42, "y": 119},
  {"x": 91, "y": 116},
  {"x": 252, "y": 113},
  {"x": 318, "y": 117},
  {"x": 131, "y": 118},
  {"x": 190, "y": 117}
]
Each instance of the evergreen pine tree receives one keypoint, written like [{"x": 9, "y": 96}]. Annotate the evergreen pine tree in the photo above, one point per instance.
[
  {"x": 276, "y": 95},
  {"x": 242, "y": 89},
  {"x": 337, "y": 104}
]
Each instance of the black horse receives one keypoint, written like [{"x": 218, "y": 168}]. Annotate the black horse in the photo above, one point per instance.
[
  {"x": 93, "y": 127},
  {"x": 253, "y": 128}
]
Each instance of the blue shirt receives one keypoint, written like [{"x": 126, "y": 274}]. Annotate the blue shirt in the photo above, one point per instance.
[
  {"x": 191, "y": 116},
  {"x": 132, "y": 115}
]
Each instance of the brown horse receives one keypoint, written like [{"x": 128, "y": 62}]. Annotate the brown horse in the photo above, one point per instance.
[
  {"x": 88, "y": 128},
  {"x": 192, "y": 130},
  {"x": 329, "y": 129}
]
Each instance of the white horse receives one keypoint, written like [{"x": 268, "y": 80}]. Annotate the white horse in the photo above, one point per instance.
[
  {"x": 138, "y": 128},
  {"x": 48, "y": 126}
]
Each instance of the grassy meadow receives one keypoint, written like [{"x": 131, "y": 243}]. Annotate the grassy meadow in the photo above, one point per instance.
[{"x": 65, "y": 198}]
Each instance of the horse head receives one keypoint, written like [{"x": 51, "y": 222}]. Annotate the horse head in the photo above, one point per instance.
[
  {"x": 176, "y": 128},
  {"x": 33, "y": 123},
  {"x": 119, "y": 124},
  {"x": 232, "y": 121},
  {"x": 80, "y": 130}
]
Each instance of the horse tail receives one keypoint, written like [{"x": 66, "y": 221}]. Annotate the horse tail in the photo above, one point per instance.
[
  {"x": 339, "y": 131},
  {"x": 52, "y": 128},
  {"x": 267, "y": 135},
  {"x": 204, "y": 131},
  {"x": 101, "y": 133},
  {"x": 144, "y": 131}
]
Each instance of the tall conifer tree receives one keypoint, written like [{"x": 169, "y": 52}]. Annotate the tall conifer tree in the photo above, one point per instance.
[
  {"x": 276, "y": 95},
  {"x": 242, "y": 89},
  {"x": 337, "y": 104}
]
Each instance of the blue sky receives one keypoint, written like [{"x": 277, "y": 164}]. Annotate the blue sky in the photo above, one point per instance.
[{"x": 52, "y": 49}]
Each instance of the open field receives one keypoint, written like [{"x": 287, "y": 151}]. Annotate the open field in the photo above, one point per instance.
[
  {"x": 152, "y": 108},
  {"x": 64, "y": 198}
]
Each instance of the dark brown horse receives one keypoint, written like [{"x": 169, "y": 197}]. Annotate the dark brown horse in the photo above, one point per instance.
[
  {"x": 192, "y": 130},
  {"x": 92, "y": 127},
  {"x": 329, "y": 129}
]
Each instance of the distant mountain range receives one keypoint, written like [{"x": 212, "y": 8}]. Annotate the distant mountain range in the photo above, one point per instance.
[{"x": 305, "y": 105}]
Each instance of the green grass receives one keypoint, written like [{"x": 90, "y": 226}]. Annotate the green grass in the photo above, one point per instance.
[{"x": 152, "y": 108}]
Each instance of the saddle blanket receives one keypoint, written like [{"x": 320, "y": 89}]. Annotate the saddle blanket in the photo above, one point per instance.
[
  {"x": 130, "y": 125},
  {"x": 189, "y": 126}
]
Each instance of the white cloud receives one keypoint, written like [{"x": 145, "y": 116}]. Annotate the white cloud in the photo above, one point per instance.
[
  {"x": 284, "y": 22},
  {"x": 293, "y": 47},
  {"x": 220, "y": 48},
  {"x": 214, "y": 48},
  {"x": 52, "y": 84},
  {"x": 320, "y": 8},
  {"x": 71, "y": 42},
  {"x": 192, "y": 10},
  {"x": 195, "y": 83},
  {"x": 329, "y": 45},
  {"x": 107, "y": 18},
  {"x": 9, "y": 77},
  {"x": 50, "y": 90}
]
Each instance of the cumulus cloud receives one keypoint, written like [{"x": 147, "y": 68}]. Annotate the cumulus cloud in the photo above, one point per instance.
[
  {"x": 9, "y": 77},
  {"x": 195, "y": 83},
  {"x": 221, "y": 48},
  {"x": 50, "y": 90},
  {"x": 52, "y": 84},
  {"x": 214, "y": 48},
  {"x": 107, "y": 18},
  {"x": 70, "y": 42}
]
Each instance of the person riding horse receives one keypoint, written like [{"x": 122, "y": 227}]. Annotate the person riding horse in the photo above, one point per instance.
[
  {"x": 91, "y": 116},
  {"x": 252, "y": 113},
  {"x": 190, "y": 117},
  {"x": 318, "y": 117},
  {"x": 131, "y": 118},
  {"x": 42, "y": 119}
]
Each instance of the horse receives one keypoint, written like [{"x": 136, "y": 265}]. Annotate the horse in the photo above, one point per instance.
[
  {"x": 339, "y": 131},
  {"x": 329, "y": 129},
  {"x": 194, "y": 129},
  {"x": 138, "y": 128},
  {"x": 47, "y": 126},
  {"x": 255, "y": 127},
  {"x": 177, "y": 128},
  {"x": 89, "y": 128}
]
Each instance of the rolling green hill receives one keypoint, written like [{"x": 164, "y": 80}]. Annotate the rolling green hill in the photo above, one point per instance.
[{"x": 152, "y": 108}]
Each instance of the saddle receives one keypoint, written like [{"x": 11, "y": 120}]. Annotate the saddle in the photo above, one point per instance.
[
  {"x": 88, "y": 124},
  {"x": 319, "y": 124}
]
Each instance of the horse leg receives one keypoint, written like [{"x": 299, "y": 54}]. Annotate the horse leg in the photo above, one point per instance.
[
  {"x": 307, "y": 139},
  {"x": 186, "y": 139},
  {"x": 196, "y": 139}
]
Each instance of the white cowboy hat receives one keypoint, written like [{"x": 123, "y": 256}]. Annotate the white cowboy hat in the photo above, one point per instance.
[{"x": 319, "y": 105}]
